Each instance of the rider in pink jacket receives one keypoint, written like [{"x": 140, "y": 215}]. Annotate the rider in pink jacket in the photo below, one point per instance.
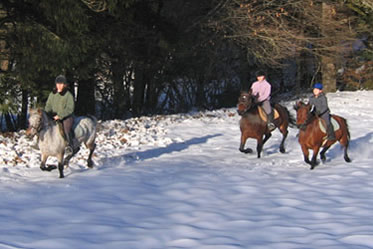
[{"x": 262, "y": 89}]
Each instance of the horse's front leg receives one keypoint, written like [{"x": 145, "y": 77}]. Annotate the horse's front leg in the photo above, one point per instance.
[
  {"x": 314, "y": 157},
  {"x": 43, "y": 161},
  {"x": 305, "y": 154},
  {"x": 242, "y": 145},
  {"x": 60, "y": 164},
  {"x": 266, "y": 137}
]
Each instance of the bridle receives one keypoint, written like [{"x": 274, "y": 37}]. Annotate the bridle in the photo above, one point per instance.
[
  {"x": 310, "y": 115},
  {"x": 243, "y": 100}
]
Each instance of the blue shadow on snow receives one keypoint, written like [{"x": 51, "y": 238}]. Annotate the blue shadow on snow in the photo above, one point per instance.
[{"x": 156, "y": 152}]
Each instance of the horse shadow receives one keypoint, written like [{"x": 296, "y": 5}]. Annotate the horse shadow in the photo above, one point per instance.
[
  {"x": 358, "y": 145},
  {"x": 157, "y": 152}
]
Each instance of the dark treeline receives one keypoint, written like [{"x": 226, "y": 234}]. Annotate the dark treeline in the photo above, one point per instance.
[{"x": 127, "y": 58}]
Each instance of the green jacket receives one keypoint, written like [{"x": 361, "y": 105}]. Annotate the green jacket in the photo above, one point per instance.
[{"x": 61, "y": 104}]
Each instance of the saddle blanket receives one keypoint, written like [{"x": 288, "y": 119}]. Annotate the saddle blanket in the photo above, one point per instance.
[{"x": 323, "y": 125}]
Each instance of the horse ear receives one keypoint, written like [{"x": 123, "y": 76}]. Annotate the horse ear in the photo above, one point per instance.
[
  {"x": 250, "y": 91},
  {"x": 297, "y": 105}
]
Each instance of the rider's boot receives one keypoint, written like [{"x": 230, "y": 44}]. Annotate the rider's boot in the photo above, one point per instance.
[
  {"x": 330, "y": 131},
  {"x": 270, "y": 124},
  {"x": 69, "y": 146}
]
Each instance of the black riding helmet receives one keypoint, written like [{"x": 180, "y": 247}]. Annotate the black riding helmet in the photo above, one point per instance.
[
  {"x": 260, "y": 73},
  {"x": 60, "y": 79}
]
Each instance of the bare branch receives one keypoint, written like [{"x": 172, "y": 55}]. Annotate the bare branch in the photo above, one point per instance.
[{"x": 96, "y": 5}]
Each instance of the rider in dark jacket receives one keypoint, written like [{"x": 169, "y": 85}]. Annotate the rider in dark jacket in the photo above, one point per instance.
[
  {"x": 320, "y": 107},
  {"x": 60, "y": 105}
]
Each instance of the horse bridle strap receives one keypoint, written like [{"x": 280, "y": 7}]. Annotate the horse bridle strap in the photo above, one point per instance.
[{"x": 307, "y": 121}]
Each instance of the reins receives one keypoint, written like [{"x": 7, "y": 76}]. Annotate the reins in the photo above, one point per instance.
[
  {"x": 308, "y": 120},
  {"x": 252, "y": 106}
]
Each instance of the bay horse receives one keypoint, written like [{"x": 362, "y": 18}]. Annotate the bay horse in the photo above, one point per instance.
[
  {"x": 311, "y": 137},
  {"x": 252, "y": 124},
  {"x": 51, "y": 140}
]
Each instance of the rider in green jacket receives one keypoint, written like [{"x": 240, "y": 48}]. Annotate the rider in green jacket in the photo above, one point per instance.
[{"x": 60, "y": 106}]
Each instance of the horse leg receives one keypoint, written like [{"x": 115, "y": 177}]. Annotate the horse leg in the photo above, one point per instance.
[
  {"x": 91, "y": 148},
  {"x": 322, "y": 153},
  {"x": 266, "y": 137},
  {"x": 61, "y": 164},
  {"x": 242, "y": 145},
  {"x": 305, "y": 154},
  {"x": 314, "y": 157},
  {"x": 328, "y": 144},
  {"x": 284, "y": 136},
  {"x": 43, "y": 161},
  {"x": 261, "y": 142},
  {"x": 60, "y": 169}
]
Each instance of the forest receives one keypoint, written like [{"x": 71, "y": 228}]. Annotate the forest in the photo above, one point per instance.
[{"x": 127, "y": 58}]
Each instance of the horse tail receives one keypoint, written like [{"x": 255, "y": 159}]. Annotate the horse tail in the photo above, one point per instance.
[
  {"x": 347, "y": 129},
  {"x": 292, "y": 120},
  {"x": 93, "y": 118}
]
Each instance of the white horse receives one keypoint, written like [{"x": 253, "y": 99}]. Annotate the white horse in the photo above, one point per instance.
[{"x": 51, "y": 139}]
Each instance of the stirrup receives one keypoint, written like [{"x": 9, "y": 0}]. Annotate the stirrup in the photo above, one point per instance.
[
  {"x": 68, "y": 151},
  {"x": 271, "y": 126},
  {"x": 331, "y": 138}
]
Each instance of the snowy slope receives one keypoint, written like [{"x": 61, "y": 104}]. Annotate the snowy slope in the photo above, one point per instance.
[{"x": 179, "y": 181}]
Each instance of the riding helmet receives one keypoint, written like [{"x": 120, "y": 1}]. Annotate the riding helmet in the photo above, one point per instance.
[
  {"x": 60, "y": 79},
  {"x": 260, "y": 73},
  {"x": 318, "y": 85}
]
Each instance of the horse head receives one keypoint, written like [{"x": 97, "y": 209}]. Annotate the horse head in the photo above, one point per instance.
[
  {"x": 245, "y": 102},
  {"x": 303, "y": 114},
  {"x": 35, "y": 122}
]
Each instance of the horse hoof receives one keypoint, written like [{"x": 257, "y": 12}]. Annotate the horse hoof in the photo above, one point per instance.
[
  {"x": 282, "y": 150},
  {"x": 248, "y": 150},
  {"x": 90, "y": 164},
  {"x": 48, "y": 168},
  {"x": 51, "y": 167}
]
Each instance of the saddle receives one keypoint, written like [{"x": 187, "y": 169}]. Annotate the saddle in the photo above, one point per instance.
[
  {"x": 263, "y": 114},
  {"x": 64, "y": 135},
  {"x": 334, "y": 122}
]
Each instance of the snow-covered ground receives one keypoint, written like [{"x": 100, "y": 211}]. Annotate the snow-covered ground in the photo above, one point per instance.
[{"x": 179, "y": 181}]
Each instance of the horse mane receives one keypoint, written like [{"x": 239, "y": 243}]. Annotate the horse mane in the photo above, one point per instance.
[{"x": 46, "y": 119}]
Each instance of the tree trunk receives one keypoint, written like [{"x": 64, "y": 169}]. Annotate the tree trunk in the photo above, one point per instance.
[
  {"x": 329, "y": 77},
  {"x": 119, "y": 94},
  {"x": 139, "y": 90},
  {"x": 22, "y": 119},
  {"x": 244, "y": 71},
  {"x": 85, "y": 102},
  {"x": 9, "y": 122}
]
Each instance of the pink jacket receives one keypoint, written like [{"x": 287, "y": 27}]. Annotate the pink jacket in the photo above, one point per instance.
[{"x": 263, "y": 89}]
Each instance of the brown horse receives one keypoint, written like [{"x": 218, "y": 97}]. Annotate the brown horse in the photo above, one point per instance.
[
  {"x": 312, "y": 137},
  {"x": 252, "y": 124}
]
